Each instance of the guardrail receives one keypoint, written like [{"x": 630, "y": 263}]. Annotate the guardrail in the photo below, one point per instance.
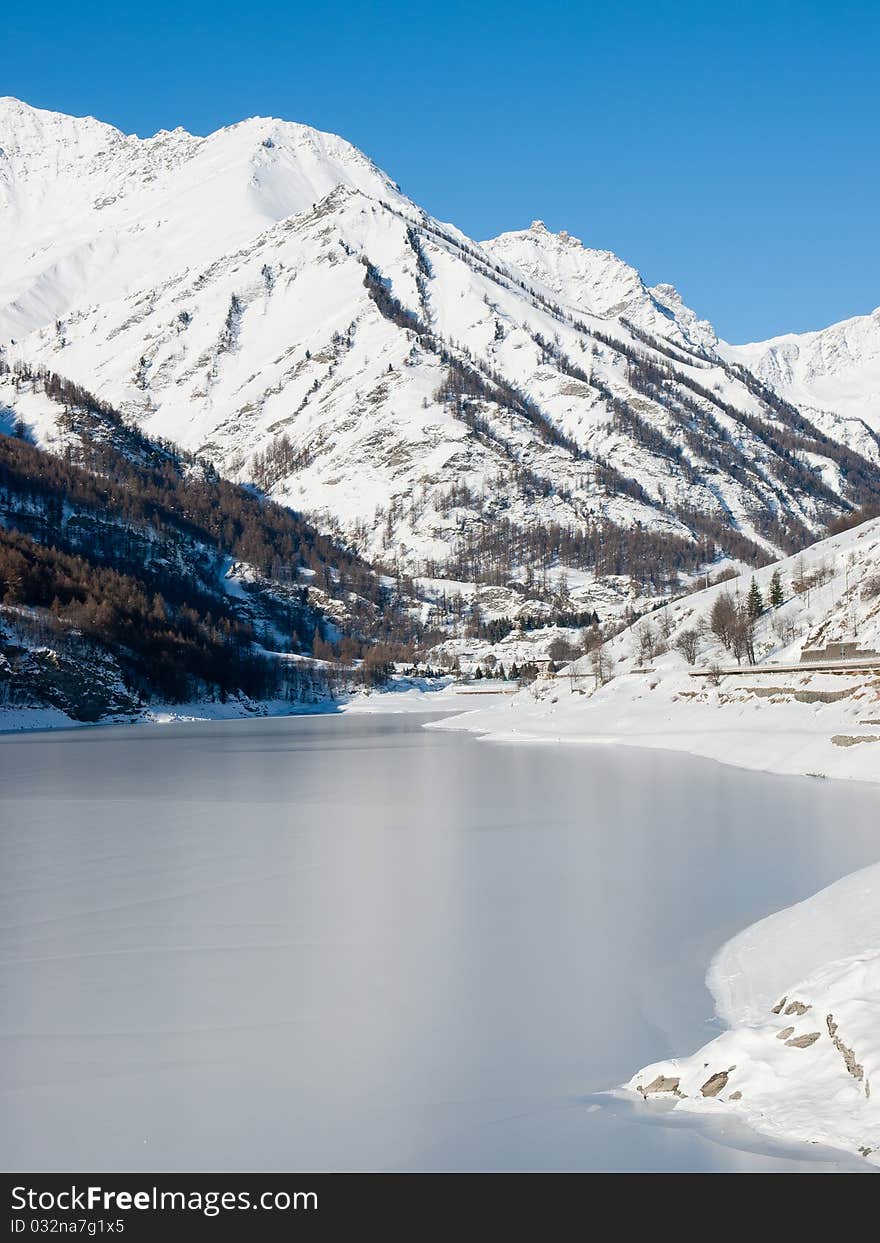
[
  {"x": 507, "y": 691},
  {"x": 838, "y": 666}
]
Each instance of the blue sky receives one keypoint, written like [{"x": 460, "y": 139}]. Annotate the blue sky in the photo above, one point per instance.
[{"x": 731, "y": 150}]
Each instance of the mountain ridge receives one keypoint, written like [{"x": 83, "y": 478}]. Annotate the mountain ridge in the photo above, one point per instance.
[
  {"x": 454, "y": 409},
  {"x": 835, "y": 368}
]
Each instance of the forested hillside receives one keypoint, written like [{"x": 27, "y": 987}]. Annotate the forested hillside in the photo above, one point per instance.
[{"x": 130, "y": 571}]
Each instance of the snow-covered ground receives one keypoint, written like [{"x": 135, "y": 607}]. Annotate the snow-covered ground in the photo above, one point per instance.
[
  {"x": 418, "y": 695},
  {"x": 748, "y": 721},
  {"x": 16, "y": 720}
]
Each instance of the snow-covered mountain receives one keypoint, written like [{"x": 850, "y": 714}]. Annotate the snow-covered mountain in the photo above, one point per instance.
[
  {"x": 269, "y": 298},
  {"x": 835, "y": 369},
  {"x": 88, "y": 214}
]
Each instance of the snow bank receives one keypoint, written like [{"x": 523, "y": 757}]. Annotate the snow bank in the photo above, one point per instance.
[
  {"x": 419, "y": 695},
  {"x": 746, "y": 723},
  {"x": 12, "y": 720},
  {"x": 755, "y": 968},
  {"x": 801, "y": 991}
]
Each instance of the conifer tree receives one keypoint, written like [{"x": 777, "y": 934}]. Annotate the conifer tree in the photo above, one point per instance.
[
  {"x": 754, "y": 602},
  {"x": 777, "y": 596}
]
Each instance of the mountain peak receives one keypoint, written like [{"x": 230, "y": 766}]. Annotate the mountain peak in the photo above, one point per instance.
[
  {"x": 88, "y": 213},
  {"x": 598, "y": 282},
  {"x": 16, "y": 112}
]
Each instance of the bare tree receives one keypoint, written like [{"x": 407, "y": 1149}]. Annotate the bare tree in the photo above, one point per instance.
[
  {"x": 592, "y": 639},
  {"x": 871, "y": 587},
  {"x": 723, "y": 618},
  {"x": 743, "y": 638},
  {"x": 688, "y": 643},
  {"x": 786, "y": 629},
  {"x": 666, "y": 623},
  {"x": 562, "y": 651},
  {"x": 601, "y": 666},
  {"x": 645, "y": 642}
]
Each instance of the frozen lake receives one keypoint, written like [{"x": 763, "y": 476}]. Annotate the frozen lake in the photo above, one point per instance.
[{"x": 352, "y": 943}]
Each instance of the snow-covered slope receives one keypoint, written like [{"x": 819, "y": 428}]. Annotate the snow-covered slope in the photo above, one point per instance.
[
  {"x": 267, "y": 297},
  {"x": 88, "y": 214},
  {"x": 668, "y": 681},
  {"x": 835, "y": 369}
]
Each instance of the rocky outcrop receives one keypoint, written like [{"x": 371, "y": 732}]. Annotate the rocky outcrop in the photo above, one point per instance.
[{"x": 849, "y": 1058}]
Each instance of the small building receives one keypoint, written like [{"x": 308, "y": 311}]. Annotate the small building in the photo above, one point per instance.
[{"x": 837, "y": 651}]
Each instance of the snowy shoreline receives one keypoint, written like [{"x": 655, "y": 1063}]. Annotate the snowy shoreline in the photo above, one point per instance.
[
  {"x": 409, "y": 696},
  {"x": 799, "y": 991},
  {"x": 50, "y": 720},
  {"x": 786, "y": 740}
]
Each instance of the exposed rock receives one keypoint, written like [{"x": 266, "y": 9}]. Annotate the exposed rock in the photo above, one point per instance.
[
  {"x": 785, "y": 1033},
  {"x": 823, "y": 697},
  {"x": 663, "y": 1083},
  {"x": 796, "y": 1007},
  {"x": 856, "y": 1069},
  {"x": 853, "y": 740},
  {"x": 803, "y": 697},
  {"x": 803, "y": 1042},
  {"x": 717, "y": 1083},
  {"x": 778, "y": 1007},
  {"x": 735, "y": 1096}
]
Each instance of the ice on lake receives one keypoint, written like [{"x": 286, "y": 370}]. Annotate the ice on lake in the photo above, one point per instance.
[{"x": 352, "y": 943}]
